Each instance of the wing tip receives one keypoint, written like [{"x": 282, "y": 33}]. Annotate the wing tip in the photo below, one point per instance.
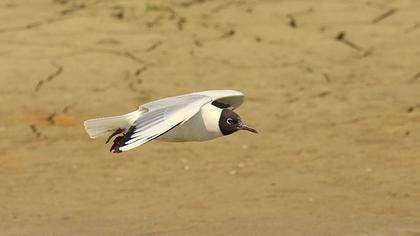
[{"x": 120, "y": 141}]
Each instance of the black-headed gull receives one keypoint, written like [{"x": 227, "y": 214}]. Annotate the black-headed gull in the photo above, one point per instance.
[{"x": 196, "y": 116}]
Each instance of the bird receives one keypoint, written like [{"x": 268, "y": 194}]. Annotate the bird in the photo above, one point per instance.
[{"x": 197, "y": 116}]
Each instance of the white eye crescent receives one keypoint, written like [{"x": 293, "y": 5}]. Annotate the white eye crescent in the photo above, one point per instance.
[{"x": 229, "y": 121}]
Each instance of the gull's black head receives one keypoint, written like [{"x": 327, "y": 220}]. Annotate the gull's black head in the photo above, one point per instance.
[{"x": 230, "y": 122}]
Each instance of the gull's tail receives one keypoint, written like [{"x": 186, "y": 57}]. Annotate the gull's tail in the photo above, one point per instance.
[{"x": 105, "y": 126}]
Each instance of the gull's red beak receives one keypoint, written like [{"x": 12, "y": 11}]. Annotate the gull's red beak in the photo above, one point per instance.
[{"x": 246, "y": 127}]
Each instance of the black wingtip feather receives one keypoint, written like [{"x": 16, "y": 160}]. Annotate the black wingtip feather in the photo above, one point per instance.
[{"x": 121, "y": 140}]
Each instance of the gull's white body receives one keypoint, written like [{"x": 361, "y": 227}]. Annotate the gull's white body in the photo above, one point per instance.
[
  {"x": 189, "y": 117},
  {"x": 204, "y": 125}
]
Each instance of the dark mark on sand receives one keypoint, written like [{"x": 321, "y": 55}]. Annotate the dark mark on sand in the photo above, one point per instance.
[
  {"x": 292, "y": 21},
  {"x": 326, "y": 77},
  {"x": 161, "y": 8},
  {"x": 118, "y": 12},
  {"x": 73, "y": 9},
  {"x": 323, "y": 94},
  {"x": 67, "y": 108},
  {"x": 56, "y": 73},
  {"x": 141, "y": 70},
  {"x": 228, "y": 34},
  {"x": 51, "y": 117},
  {"x": 62, "y": 2},
  {"x": 38, "y": 85},
  {"x": 31, "y": 25},
  {"x": 180, "y": 23},
  {"x": 198, "y": 43},
  {"x": 35, "y": 130},
  {"x": 190, "y": 3},
  {"x": 154, "y": 46},
  {"x": 341, "y": 36},
  {"x": 410, "y": 109},
  {"x": 49, "y": 77},
  {"x": 384, "y": 15}
]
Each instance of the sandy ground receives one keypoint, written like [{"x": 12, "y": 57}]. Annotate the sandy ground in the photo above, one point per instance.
[{"x": 332, "y": 86}]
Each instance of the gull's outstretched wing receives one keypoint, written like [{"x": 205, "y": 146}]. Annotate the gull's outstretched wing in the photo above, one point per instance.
[
  {"x": 230, "y": 99},
  {"x": 161, "y": 116},
  {"x": 221, "y": 98}
]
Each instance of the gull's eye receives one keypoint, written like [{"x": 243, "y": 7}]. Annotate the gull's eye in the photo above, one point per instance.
[{"x": 229, "y": 121}]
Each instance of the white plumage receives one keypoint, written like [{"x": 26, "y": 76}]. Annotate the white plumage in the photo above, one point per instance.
[{"x": 189, "y": 117}]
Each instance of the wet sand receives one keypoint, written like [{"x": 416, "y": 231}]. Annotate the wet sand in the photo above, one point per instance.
[{"x": 332, "y": 86}]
